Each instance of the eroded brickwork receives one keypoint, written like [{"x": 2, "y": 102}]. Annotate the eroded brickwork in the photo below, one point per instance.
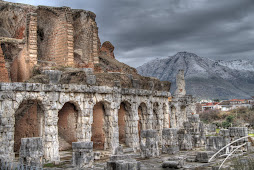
[{"x": 4, "y": 76}]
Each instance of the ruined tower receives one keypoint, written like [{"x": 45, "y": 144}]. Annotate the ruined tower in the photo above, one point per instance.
[
  {"x": 181, "y": 105},
  {"x": 180, "y": 84}
]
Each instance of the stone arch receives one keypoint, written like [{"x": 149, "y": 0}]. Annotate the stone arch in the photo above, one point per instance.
[
  {"x": 173, "y": 119},
  {"x": 124, "y": 118},
  {"x": 29, "y": 121},
  {"x": 67, "y": 124},
  {"x": 156, "y": 116},
  {"x": 100, "y": 128},
  {"x": 143, "y": 115}
]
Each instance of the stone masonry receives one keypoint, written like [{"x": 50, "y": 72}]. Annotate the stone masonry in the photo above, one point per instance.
[{"x": 84, "y": 97}]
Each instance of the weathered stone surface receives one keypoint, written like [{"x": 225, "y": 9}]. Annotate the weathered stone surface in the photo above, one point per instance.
[
  {"x": 204, "y": 156},
  {"x": 31, "y": 152},
  {"x": 184, "y": 140},
  {"x": 170, "y": 141},
  {"x": 82, "y": 155},
  {"x": 123, "y": 164},
  {"x": 214, "y": 143},
  {"x": 149, "y": 144}
]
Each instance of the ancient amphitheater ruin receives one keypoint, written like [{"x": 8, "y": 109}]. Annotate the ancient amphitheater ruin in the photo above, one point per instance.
[{"x": 61, "y": 89}]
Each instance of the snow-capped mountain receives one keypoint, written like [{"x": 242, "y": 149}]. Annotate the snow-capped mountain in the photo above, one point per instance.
[
  {"x": 246, "y": 65},
  {"x": 205, "y": 78}
]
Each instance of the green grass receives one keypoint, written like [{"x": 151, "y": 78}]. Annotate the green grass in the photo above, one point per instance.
[
  {"x": 217, "y": 131},
  {"x": 251, "y": 134}
]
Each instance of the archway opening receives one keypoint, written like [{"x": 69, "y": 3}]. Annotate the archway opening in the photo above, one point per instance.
[
  {"x": 98, "y": 132},
  {"x": 142, "y": 114},
  {"x": 67, "y": 126},
  {"x": 29, "y": 122}
]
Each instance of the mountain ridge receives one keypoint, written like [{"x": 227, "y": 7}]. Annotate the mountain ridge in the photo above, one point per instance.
[{"x": 205, "y": 78}]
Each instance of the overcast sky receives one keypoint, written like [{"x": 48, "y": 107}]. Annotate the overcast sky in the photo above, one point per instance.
[{"x": 142, "y": 30}]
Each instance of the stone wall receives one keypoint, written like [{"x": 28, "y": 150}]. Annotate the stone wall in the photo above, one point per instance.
[{"x": 53, "y": 97}]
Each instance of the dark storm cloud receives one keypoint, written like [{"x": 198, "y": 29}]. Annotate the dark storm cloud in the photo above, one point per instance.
[{"x": 142, "y": 30}]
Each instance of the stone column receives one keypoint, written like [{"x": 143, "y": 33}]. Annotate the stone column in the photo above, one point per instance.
[
  {"x": 7, "y": 123},
  {"x": 51, "y": 142},
  {"x": 133, "y": 127}
]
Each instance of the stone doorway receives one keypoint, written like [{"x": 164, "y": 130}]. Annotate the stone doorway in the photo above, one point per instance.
[
  {"x": 98, "y": 132},
  {"x": 29, "y": 122},
  {"x": 67, "y": 126}
]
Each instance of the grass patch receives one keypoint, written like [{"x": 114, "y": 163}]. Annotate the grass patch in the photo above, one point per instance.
[
  {"x": 217, "y": 131},
  {"x": 52, "y": 165},
  {"x": 251, "y": 134}
]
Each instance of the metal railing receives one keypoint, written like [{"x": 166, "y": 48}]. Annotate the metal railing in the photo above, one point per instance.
[
  {"x": 229, "y": 150},
  {"x": 4, "y": 165}
]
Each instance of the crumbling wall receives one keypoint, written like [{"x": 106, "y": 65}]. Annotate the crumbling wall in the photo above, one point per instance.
[
  {"x": 4, "y": 76},
  {"x": 86, "y": 39},
  {"x": 55, "y": 35}
]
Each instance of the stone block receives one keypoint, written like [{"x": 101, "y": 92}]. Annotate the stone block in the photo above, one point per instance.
[
  {"x": 149, "y": 144},
  {"x": 123, "y": 165},
  {"x": 170, "y": 141},
  {"x": 238, "y": 131},
  {"x": 174, "y": 162},
  {"x": 97, "y": 155},
  {"x": 214, "y": 143},
  {"x": 82, "y": 145},
  {"x": 204, "y": 156},
  {"x": 54, "y": 75},
  {"x": 31, "y": 151},
  {"x": 82, "y": 155},
  {"x": 184, "y": 140},
  {"x": 224, "y": 132}
]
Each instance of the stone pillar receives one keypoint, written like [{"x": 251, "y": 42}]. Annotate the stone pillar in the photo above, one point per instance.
[
  {"x": 185, "y": 140},
  {"x": 96, "y": 45},
  {"x": 133, "y": 137},
  {"x": 31, "y": 151},
  {"x": 51, "y": 142},
  {"x": 149, "y": 144},
  {"x": 70, "y": 39},
  {"x": 32, "y": 38},
  {"x": 170, "y": 141},
  {"x": 82, "y": 154},
  {"x": 7, "y": 124},
  {"x": 214, "y": 143},
  {"x": 180, "y": 83}
]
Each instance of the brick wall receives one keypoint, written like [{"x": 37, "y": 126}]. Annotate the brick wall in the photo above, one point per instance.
[
  {"x": 32, "y": 38},
  {"x": 4, "y": 77}
]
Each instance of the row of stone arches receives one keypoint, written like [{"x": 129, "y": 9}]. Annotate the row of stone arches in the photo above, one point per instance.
[{"x": 30, "y": 121}]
